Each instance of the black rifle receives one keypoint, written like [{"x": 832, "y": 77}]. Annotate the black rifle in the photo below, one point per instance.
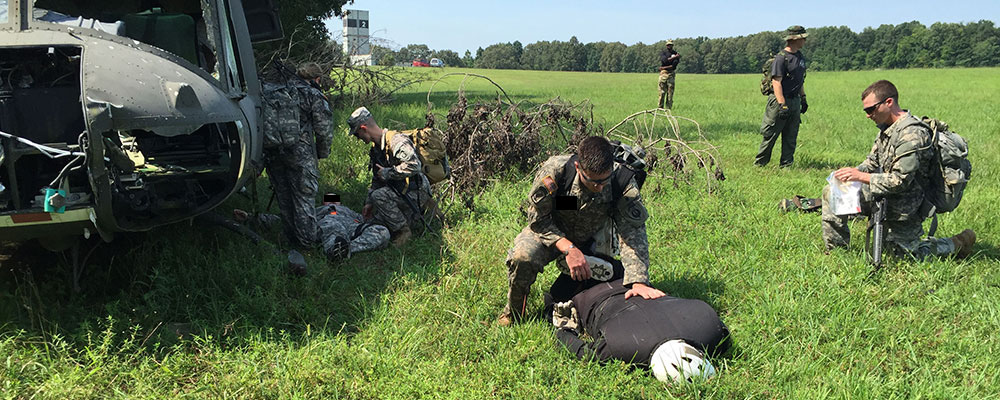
[
  {"x": 413, "y": 207},
  {"x": 876, "y": 228}
]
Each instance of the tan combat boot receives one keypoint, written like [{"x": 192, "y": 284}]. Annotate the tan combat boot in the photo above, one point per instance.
[
  {"x": 401, "y": 237},
  {"x": 514, "y": 310},
  {"x": 963, "y": 243}
]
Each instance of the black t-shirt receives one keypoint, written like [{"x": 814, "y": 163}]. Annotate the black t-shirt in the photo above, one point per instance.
[
  {"x": 791, "y": 67},
  {"x": 665, "y": 55}
]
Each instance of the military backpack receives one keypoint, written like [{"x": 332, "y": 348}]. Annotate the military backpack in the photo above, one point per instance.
[
  {"x": 433, "y": 154},
  {"x": 766, "y": 88},
  {"x": 280, "y": 115},
  {"x": 952, "y": 168}
]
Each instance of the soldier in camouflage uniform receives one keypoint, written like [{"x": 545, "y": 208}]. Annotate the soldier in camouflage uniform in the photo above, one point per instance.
[
  {"x": 564, "y": 222},
  {"x": 342, "y": 231},
  {"x": 668, "y": 68},
  {"x": 898, "y": 169},
  {"x": 293, "y": 169},
  {"x": 787, "y": 102},
  {"x": 400, "y": 191}
]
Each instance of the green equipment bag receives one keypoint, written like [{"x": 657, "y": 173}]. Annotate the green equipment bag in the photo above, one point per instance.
[
  {"x": 765, "y": 81},
  {"x": 953, "y": 167},
  {"x": 280, "y": 115},
  {"x": 433, "y": 154}
]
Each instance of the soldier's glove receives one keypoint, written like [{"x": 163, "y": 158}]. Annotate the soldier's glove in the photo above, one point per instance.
[
  {"x": 783, "y": 111},
  {"x": 805, "y": 106},
  {"x": 322, "y": 152}
]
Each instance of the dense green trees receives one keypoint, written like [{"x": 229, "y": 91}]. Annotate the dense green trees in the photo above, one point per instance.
[{"x": 829, "y": 48}]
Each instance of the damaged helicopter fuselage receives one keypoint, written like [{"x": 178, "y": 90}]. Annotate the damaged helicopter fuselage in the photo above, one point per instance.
[{"x": 122, "y": 119}]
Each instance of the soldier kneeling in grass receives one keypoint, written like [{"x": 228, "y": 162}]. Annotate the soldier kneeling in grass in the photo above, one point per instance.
[{"x": 905, "y": 168}]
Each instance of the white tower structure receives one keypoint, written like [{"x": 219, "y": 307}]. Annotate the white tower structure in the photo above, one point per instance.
[{"x": 357, "y": 44}]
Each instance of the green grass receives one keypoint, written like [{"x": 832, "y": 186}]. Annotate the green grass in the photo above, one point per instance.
[{"x": 189, "y": 311}]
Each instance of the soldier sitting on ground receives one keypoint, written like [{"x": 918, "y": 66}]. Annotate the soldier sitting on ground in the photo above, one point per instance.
[
  {"x": 898, "y": 169},
  {"x": 400, "y": 192}
]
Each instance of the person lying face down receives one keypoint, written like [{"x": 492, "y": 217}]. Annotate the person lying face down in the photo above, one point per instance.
[{"x": 669, "y": 335}]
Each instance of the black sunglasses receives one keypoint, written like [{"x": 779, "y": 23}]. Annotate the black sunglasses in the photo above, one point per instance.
[
  {"x": 870, "y": 109},
  {"x": 597, "y": 182}
]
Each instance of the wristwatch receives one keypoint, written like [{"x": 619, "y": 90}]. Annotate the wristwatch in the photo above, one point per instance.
[{"x": 571, "y": 246}]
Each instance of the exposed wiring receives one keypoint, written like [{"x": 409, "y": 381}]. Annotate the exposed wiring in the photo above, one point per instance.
[{"x": 49, "y": 152}]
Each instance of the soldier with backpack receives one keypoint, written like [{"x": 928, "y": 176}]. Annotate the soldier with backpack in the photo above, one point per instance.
[
  {"x": 400, "y": 190},
  {"x": 914, "y": 169},
  {"x": 573, "y": 199},
  {"x": 298, "y": 130},
  {"x": 783, "y": 84}
]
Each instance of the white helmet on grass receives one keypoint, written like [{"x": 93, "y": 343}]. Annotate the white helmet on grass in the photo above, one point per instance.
[{"x": 677, "y": 361}]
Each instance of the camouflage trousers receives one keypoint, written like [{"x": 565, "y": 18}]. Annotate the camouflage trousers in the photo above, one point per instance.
[
  {"x": 294, "y": 177},
  {"x": 902, "y": 238},
  {"x": 773, "y": 126},
  {"x": 341, "y": 222},
  {"x": 666, "y": 90},
  {"x": 392, "y": 211},
  {"x": 525, "y": 261}
]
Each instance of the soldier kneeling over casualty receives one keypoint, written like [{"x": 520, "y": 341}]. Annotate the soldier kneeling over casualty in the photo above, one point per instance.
[
  {"x": 400, "y": 192},
  {"x": 901, "y": 170},
  {"x": 573, "y": 199},
  {"x": 342, "y": 231},
  {"x": 669, "y": 335}
]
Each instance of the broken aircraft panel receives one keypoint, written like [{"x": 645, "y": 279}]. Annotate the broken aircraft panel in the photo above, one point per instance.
[{"x": 114, "y": 118}]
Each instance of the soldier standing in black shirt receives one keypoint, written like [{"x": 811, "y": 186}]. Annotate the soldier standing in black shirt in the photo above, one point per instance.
[
  {"x": 668, "y": 66},
  {"x": 788, "y": 73}
]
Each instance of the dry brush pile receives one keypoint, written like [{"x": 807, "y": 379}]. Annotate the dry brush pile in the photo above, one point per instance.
[{"x": 486, "y": 140}]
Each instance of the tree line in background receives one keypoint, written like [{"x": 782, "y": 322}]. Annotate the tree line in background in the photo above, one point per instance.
[{"x": 907, "y": 45}]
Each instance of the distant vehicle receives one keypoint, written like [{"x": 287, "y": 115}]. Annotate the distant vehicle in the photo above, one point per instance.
[
  {"x": 419, "y": 62},
  {"x": 117, "y": 117},
  {"x": 437, "y": 62}
]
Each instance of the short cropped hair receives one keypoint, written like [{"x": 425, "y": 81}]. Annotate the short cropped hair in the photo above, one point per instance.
[
  {"x": 310, "y": 70},
  {"x": 883, "y": 89},
  {"x": 596, "y": 155}
]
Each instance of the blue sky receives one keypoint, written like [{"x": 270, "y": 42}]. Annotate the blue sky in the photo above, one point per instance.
[{"x": 460, "y": 25}]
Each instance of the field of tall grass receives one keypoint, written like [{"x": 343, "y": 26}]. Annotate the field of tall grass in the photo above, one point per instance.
[{"x": 197, "y": 312}]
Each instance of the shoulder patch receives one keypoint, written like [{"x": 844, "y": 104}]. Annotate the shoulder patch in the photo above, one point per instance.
[{"x": 550, "y": 184}]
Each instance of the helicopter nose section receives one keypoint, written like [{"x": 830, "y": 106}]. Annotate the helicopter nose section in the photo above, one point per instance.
[{"x": 181, "y": 96}]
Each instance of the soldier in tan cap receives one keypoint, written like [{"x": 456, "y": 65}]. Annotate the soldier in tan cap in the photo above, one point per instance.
[
  {"x": 786, "y": 101},
  {"x": 400, "y": 191},
  {"x": 668, "y": 67}
]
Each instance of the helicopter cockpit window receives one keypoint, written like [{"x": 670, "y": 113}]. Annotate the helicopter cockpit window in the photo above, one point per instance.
[
  {"x": 3, "y": 11},
  {"x": 177, "y": 26}
]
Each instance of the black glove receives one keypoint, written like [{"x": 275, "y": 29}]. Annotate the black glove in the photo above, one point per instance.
[
  {"x": 783, "y": 111},
  {"x": 805, "y": 106}
]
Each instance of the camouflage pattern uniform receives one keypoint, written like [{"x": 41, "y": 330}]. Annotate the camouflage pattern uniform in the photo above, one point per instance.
[
  {"x": 905, "y": 154},
  {"x": 535, "y": 247},
  {"x": 668, "y": 71},
  {"x": 402, "y": 170},
  {"x": 293, "y": 170},
  {"x": 340, "y": 221}
]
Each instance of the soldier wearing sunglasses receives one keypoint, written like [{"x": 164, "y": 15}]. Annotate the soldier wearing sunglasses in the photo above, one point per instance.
[
  {"x": 572, "y": 200},
  {"x": 898, "y": 169}
]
